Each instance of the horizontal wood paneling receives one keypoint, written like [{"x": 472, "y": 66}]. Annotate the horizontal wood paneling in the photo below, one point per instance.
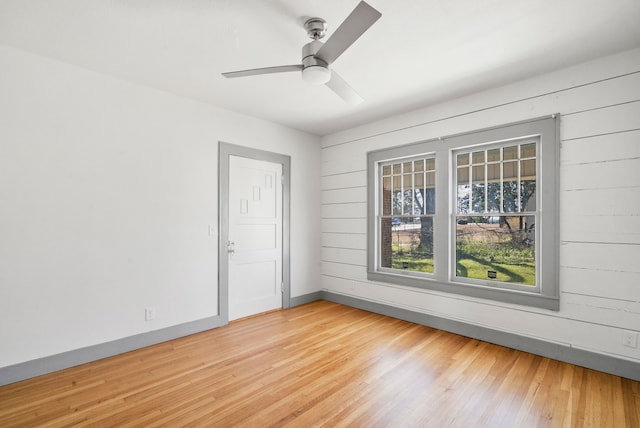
[
  {"x": 353, "y": 241},
  {"x": 344, "y": 255},
  {"x": 607, "y": 284},
  {"x": 611, "y": 312},
  {"x": 601, "y": 148},
  {"x": 611, "y": 257},
  {"x": 344, "y": 225},
  {"x": 608, "y": 201},
  {"x": 602, "y": 175},
  {"x": 344, "y": 210},
  {"x": 605, "y": 120},
  {"x": 343, "y": 165},
  {"x": 344, "y": 271},
  {"x": 354, "y": 194},
  {"x": 599, "y": 200},
  {"x": 346, "y": 180},
  {"x": 603, "y": 228}
]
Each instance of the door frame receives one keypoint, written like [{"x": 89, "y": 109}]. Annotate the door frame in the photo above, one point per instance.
[{"x": 225, "y": 150}]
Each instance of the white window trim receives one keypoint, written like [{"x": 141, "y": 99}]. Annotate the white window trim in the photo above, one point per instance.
[{"x": 547, "y": 262}]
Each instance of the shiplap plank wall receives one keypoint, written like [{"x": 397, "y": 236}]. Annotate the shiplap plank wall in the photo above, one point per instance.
[{"x": 599, "y": 103}]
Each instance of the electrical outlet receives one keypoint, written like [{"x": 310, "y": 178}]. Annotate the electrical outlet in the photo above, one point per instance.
[
  {"x": 630, "y": 338},
  {"x": 149, "y": 314}
]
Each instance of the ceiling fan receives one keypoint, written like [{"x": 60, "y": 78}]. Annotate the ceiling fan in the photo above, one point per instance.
[{"x": 318, "y": 56}]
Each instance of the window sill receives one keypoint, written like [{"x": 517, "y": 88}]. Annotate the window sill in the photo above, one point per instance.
[{"x": 533, "y": 299}]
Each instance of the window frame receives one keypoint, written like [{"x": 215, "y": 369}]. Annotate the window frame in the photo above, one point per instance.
[
  {"x": 518, "y": 212},
  {"x": 380, "y": 207},
  {"x": 443, "y": 279}
]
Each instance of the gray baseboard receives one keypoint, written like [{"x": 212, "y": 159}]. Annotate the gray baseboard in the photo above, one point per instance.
[
  {"x": 306, "y": 298},
  {"x": 568, "y": 354},
  {"x": 40, "y": 366}
]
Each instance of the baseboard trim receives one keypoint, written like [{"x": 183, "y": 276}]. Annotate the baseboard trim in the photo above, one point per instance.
[
  {"x": 306, "y": 298},
  {"x": 568, "y": 354},
  {"x": 40, "y": 366}
]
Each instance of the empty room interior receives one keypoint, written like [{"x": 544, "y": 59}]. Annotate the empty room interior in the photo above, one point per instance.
[{"x": 320, "y": 213}]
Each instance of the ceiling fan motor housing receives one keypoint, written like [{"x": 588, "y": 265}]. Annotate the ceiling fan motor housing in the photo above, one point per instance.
[{"x": 314, "y": 70}]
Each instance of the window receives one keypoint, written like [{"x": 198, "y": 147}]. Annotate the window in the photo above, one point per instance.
[
  {"x": 496, "y": 212},
  {"x": 408, "y": 206},
  {"x": 473, "y": 214}
]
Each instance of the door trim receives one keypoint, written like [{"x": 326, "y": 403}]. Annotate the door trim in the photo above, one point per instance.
[{"x": 225, "y": 150}]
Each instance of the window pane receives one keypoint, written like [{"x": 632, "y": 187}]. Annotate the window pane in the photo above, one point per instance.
[
  {"x": 463, "y": 159},
  {"x": 397, "y": 168},
  {"x": 407, "y": 208},
  {"x": 431, "y": 164},
  {"x": 528, "y": 170},
  {"x": 528, "y": 150},
  {"x": 407, "y": 243},
  {"x": 493, "y": 197},
  {"x": 408, "y": 167},
  {"x": 510, "y": 187},
  {"x": 397, "y": 195},
  {"x": 418, "y": 191},
  {"x": 528, "y": 185},
  {"x": 478, "y": 157},
  {"x": 493, "y": 186},
  {"x": 463, "y": 175},
  {"x": 493, "y": 155},
  {"x": 418, "y": 165},
  {"x": 430, "y": 194},
  {"x": 463, "y": 190},
  {"x": 418, "y": 198},
  {"x": 386, "y": 196},
  {"x": 510, "y": 152},
  {"x": 477, "y": 189},
  {"x": 386, "y": 170},
  {"x": 430, "y": 200},
  {"x": 510, "y": 196},
  {"x": 431, "y": 179},
  {"x": 500, "y": 248}
]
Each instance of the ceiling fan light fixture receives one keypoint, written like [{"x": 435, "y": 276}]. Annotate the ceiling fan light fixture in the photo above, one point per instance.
[{"x": 316, "y": 74}]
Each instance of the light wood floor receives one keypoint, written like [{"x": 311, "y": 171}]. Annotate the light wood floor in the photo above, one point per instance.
[{"x": 324, "y": 364}]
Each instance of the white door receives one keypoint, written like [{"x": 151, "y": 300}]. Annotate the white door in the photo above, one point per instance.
[{"x": 255, "y": 236}]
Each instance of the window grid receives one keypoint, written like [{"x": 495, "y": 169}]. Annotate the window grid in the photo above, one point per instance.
[
  {"x": 393, "y": 175},
  {"x": 470, "y": 160}
]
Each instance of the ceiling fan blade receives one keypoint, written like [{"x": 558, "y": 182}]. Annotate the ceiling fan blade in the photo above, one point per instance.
[
  {"x": 266, "y": 70},
  {"x": 359, "y": 21},
  {"x": 343, "y": 90}
]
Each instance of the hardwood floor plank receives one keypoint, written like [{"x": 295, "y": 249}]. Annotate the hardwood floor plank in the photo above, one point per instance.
[{"x": 323, "y": 364}]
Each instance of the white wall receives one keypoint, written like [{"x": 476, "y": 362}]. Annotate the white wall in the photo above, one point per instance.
[
  {"x": 599, "y": 203},
  {"x": 107, "y": 191}
]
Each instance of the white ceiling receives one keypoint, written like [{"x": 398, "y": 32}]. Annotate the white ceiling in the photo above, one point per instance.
[{"x": 418, "y": 53}]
